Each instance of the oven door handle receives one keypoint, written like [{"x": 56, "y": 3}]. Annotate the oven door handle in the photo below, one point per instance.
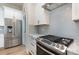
[{"x": 45, "y": 50}]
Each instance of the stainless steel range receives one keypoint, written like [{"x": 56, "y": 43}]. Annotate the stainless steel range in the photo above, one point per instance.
[{"x": 50, "y": 44}]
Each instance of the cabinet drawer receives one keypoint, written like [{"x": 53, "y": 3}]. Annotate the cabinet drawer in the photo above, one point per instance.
[{"x": 32, "y": 49}]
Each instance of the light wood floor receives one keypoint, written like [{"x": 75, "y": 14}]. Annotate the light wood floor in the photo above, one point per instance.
[{"x": 19, "y": 50}]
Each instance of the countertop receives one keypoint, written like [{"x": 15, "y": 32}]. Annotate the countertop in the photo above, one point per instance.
[
  {"x": 36, "y": 35},
  {"x": 73, "y": 49}
]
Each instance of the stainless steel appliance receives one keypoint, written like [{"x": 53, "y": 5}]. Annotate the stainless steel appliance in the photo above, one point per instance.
[
  {"x": 12, "y": 33},
  {"x": 49, "y": 44}
]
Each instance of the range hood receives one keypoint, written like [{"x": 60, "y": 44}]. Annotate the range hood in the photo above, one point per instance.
[{"x": 52, "y": 6}]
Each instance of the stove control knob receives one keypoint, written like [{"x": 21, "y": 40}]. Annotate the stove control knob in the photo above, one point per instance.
[
  {"x": 62, "y": 47},
  {"x": 57, "y": 45},
  {"x": 53, "y": 44}
]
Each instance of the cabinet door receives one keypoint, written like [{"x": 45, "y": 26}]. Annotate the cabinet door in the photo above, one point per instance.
[
  {"x": 1, "y": 17},
  {"x": 8, "y": 12},
  {"x": 40, "y": 15},
  {"x": 32, "y": 45},
  {"x": 1, "y": 22},
  {"x": 11, "y": 12},
  {"x": 43, "y": 16},
  {"x": 30, "y": 10},
  {"x": 75, "y": 11}
]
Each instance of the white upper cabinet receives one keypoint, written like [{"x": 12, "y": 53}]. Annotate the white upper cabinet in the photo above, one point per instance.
[
  {"x": 29, "y": 10},
  {"x": 36, "y": 15},
  {"x": 1, "y": 17},
  {"x": 11, "y": 12},
  {"x": 75, "y": 11},
  {"x": 41, "y": 15},
  {"x": 1, "y": 22}
]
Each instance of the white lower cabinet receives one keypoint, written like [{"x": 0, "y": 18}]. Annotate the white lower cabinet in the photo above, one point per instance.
[
  {"x": 32, "y": 45},
  {"x": 33, "y": 50}
]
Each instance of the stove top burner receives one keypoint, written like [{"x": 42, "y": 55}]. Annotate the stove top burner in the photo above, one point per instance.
[
  {"x": 50, "y": 37},
  {"x": 64, "y": 41},
  {"x": 46, "y": 41},
  {"x": 56, "y": 39}
]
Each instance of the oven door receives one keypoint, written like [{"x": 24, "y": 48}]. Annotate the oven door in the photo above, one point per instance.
[{"x": 42, "y": 51}]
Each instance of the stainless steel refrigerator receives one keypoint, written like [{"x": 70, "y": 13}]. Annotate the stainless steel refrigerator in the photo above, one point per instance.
[{"x": 12, "y": 33}]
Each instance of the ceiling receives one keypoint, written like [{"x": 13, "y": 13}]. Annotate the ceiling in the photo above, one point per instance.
[
  {"x": 13, "y": 5},
  {"x": 16, "y": 5}
]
